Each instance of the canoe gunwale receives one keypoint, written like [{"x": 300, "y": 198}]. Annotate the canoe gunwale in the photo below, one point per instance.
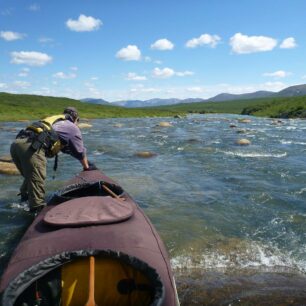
[{"x": 29, "y": 276}]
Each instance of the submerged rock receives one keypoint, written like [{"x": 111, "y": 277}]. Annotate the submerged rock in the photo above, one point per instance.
[
  {"x": 8, "y": 168},
  {"x": 243, "y": 142},
  {"x": 145, "y": 154}
]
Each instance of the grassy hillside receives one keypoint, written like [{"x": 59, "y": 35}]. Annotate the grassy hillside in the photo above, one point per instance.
[
  {"x": 293, "y": 107},
  {"x": 17, "y": 107}
]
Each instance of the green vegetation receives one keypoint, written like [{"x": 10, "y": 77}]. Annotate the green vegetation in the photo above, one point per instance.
[
  {"x": 29, "y": 107},
  {"x": 293, "y": 107}
]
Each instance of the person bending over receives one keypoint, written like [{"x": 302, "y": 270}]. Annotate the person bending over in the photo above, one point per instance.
[{"x": 46, "y": 138}]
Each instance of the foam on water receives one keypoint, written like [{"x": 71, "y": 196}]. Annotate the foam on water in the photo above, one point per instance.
[
  {"x": 21, "y": 206},
  {"x": 255, "y": 255},
  {"x": 254, "y": 154}
]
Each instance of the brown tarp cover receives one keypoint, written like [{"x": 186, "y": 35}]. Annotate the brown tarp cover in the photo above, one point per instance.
[
  {"x": 135, "y": 237},
  {"x": 89, "y": 211}
]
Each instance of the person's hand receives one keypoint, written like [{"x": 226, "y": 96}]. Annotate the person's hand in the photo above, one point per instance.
[{"x": 91, "y": 166}]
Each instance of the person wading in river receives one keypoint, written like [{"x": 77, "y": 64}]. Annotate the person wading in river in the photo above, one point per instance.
[{"x": 46, "y": 138}]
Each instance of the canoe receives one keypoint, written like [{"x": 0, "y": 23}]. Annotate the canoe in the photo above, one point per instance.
[{"x": 92, "y": 244}]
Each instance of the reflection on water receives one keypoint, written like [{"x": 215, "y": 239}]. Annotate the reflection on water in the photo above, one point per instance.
[{"x": 233, "y": 217}]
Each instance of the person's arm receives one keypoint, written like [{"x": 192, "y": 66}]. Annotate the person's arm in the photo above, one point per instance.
[{"x": 84, "y": 163}]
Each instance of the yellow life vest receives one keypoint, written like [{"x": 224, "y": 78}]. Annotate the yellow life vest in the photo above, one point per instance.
[{"x": 46, "y": 137}]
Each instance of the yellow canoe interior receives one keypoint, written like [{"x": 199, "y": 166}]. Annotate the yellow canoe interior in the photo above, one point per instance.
[{"x": 115, "y": 283}]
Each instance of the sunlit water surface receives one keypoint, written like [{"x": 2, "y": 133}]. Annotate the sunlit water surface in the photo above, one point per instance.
[{"x": 233, "y": 217}]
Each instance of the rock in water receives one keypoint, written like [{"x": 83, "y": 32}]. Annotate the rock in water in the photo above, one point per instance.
[
  {"x": 243, "y": 142},
  {"x": 8, "y": 168},
  {"x": 84, "y": 125},
  {"x": 165, "y": 124},
  {"x": 145, "y": 154}
]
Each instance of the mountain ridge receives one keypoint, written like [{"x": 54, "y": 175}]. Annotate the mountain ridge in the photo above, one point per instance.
[{"x": 291, "y": 91}]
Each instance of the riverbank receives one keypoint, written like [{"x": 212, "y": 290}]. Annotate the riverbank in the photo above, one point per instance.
[{"x": 14, "y": 107}]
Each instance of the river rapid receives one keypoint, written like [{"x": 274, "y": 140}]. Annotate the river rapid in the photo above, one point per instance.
[{"x": 232, "y": 217}]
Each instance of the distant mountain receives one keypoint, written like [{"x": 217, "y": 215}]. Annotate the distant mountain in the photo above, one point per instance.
[
  {"x": 292, "y": 91},
  {"x": 228, "y": 97},
  {"x": 95, "y": 101}
]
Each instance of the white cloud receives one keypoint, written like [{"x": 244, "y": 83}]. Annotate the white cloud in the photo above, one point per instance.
[
  {"x": 163, "y": 73},
  {"x": 62, "y": 75},
  {"x": 195, "y": 89},
  {"x": 184, "y": 73},
  {"x": 304, "y": 77},
  {"x": 84, "y": 24},
  {"x": 3, "y": 86},
  {"x": 30, "y": 58},
  {"x": 94, "y": 78},
  {"x": 288, "y": 43},
  {"x": 204, "y": 39},
  {"x": 34, "y": 7},
  {"x": 134, "y": 77},
  {"x": 162, "y": 44},
  {"x": 243, "y": 44},
  {"x": 10, "y": 36},
  {"x": 277, "y": 74},
  {"x": 130, "y": 53},
  {"x": 74, "y": 68}
]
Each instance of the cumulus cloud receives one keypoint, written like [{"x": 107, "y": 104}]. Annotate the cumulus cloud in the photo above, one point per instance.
[
  {"x": 277, "y": 74},
  {"x": 163, "y": 73},
  {"x": 243, "y": 44},
  {"x": 62, "y": 75},
  {"x": 134, "y": 77},
  {"x": 30, "y": 58},
  {"x": 10, "y": 36},
  {"x": 162, "y": 44},
  {"x": 204, "y": 39},
  {"x": 130, "y": 53},
  {"x": 288, "y": 43},
  {"x": 84, "y": 24}
]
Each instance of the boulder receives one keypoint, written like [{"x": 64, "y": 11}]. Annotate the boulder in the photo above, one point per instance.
[
  {"x": 233, "y": 126},
  {"x": 83, "y": 125},
  {"x": 165, "y": 124},
  {"x": 8, "y": 168},
  {"x": 6, "y": 158},
  {"x": 118, "y": 125},
  {"x": 243, "y": 142},
  {"x": 244, "y": 120},
  {"x": 145, "y": 154}
]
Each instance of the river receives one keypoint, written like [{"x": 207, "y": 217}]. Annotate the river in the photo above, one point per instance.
[{"x": 232, "y": 217}]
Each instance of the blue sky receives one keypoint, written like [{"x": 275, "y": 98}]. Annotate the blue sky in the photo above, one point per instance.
[{"x": 142, "y": 49}]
